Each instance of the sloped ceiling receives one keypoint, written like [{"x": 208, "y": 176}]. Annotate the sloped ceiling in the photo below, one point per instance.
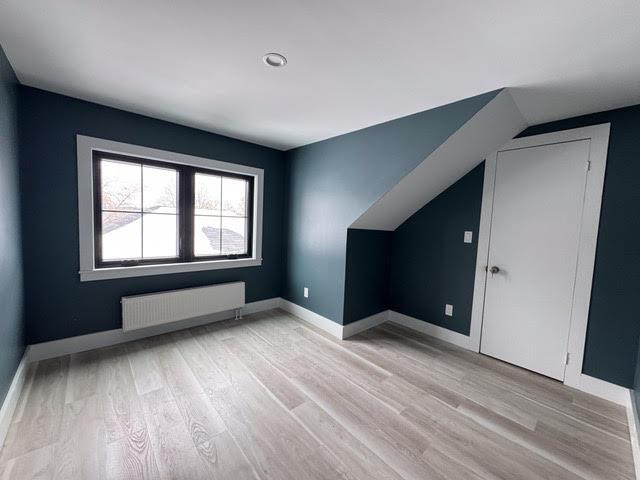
[
  {"x": 352, "y": 63},
  {"x": 496, "y": 123}
]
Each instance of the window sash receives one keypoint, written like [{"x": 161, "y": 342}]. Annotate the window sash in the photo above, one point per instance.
[{"x": 185, "y": 212}]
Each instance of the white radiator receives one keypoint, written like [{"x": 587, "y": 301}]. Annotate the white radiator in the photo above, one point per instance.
[{"x": 142, "y": 311}]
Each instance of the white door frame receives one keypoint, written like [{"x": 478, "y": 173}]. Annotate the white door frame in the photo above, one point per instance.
[{"x": 599, "y": 142}]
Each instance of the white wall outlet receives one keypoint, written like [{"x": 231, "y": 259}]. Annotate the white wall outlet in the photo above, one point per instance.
[
  {"x": 468, "y": 237},
  {"x": 306, "y": 292},
  {"x": 448, "y": 310}
]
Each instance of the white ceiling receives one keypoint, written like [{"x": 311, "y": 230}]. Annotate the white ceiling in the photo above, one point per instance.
[{"x": 352, "y": 63}]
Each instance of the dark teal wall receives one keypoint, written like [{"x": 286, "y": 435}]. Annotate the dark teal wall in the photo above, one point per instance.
[
  {"x": 11, "y": 281},
  {"x": 430, "y": 263},
  {"x": 636, "y": 383},
  {"x": 331, "y": 183},
  {"x": 614, "y": 318},
  {"x": 58, "y": 304},
  {"x": 367, "y": 274},
  {"x": 614, "y": 323}
]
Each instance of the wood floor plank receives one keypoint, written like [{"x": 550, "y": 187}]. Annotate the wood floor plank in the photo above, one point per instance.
[
  {"x": 509, "y": 399},
  {"x": 41, "y": 420},
  {"x": 271, "y": 397},
  {"x": 215, "y": 446},
  {"x": 393, "y": 389},
  {"x": 265, "y": 430},
  {"x": 361, "y": 461},
  {"x": 80, "y": 452},
  {"x": 390, "y": 437},
  {"x": 478, "y": 448},
  {"x": 82, "y": 380},
  {"x": 499, "y": 396},
  {"x": 171, "y": 441},
  {"x": 500, "y": 400},
  {"x": 128, "y": 451},
  {"x": 121, "y": 407},
  {"x": 269, "y": 377},
  {"x": 35, "y": 465},
  {"x": 448, "y": 467},
  {"x": 131, "y": 458},
  {"x": 569, "y": 455},
  {"x": 536, "y": 387},
  {"x": 406, "y": 363},
  {"x": 147, "y": 374}
]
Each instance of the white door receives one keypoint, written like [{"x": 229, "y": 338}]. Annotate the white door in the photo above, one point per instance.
[{"x": 533, "y": 251}]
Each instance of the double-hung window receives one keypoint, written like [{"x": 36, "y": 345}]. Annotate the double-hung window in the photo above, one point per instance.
[{"x": 154, "y": 215}]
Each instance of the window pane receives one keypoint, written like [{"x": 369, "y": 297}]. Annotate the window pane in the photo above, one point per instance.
[
  {"x": 206, "y": 236},
  {"x": 207, "y": 194},
  {"x": 234, "y": 238},
  {"x": 120, "y": 187},
  {"x": 160, "y": 189},
  {"x": 121, "y": 236},
  {"x": 160, "y": 235},
  {"x": 234, "y": 197}
]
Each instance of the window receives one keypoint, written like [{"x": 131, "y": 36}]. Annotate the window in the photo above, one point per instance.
[
  {"x": 154, "y": 216},
  {"x": 221, "y": 216},
  {"x": 150, "y": 212}
]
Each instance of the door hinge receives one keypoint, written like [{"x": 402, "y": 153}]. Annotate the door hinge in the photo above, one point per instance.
[
  {"x": 588, "y": 165},
  {"x": 566, "y": 358}
]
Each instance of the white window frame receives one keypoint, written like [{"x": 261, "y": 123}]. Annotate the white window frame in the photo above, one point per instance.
[{"x": 88, "y": 271}]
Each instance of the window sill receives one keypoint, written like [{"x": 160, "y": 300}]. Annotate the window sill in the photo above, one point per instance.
[{"x": 144, "y": 270}]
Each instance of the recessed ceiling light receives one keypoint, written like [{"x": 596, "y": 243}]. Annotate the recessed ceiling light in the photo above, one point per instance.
[{"x": 274, "y": 60}]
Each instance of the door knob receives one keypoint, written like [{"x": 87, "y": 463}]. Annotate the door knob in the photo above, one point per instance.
[{"x": 494, "y": 269}]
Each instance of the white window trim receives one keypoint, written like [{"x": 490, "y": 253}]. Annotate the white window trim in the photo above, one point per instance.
[{"x": 88, "y": 272}]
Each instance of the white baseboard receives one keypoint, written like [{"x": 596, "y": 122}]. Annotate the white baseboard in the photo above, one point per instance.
[
  {"x": 11, "y": 399},
  {"x": 430, "y": 329},
  {"x": 634, "y": 431},
  {"x": 313, "y": 318},
  {"x": 81, "y": 343},
  {"x": 261, "y": 306},
  {"x": 339, "y": 331},
  {"x": 600, "y": 388},
  {"x": 364, "y": 324}
]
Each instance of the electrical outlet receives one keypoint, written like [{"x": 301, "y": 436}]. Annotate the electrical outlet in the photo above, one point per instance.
[
  {"x": 468, "y": 237},
  {"x": 448, "y": 310},
  {"x": 306, "y": 292}
]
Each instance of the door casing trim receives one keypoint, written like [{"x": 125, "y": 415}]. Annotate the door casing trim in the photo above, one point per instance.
[{"x": 599, "y": 143}]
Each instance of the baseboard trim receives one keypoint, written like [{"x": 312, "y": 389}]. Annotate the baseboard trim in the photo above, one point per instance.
[
  {"x": 261, "y": 306},
  {"x": 601, "y": 388},
  {"x": 430, "y": 329},
  {"x": 313, "y": 318},
  {"x": 11, "y": 399},
  {"x": 364, "y": 324},
  {"x": 82, "y": 343},
  {"x": 634, "y": 431},
  {"x": 339, "y": 331}
]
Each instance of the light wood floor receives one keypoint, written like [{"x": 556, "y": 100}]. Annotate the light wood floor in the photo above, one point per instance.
[{"x": 269, "y": 397}]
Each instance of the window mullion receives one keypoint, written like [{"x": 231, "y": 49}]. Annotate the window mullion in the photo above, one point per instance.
[
  {"x": 141, "y": 211},
  {"x": 186, "y": 213},
  {"x": 220, "y": 210}
]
